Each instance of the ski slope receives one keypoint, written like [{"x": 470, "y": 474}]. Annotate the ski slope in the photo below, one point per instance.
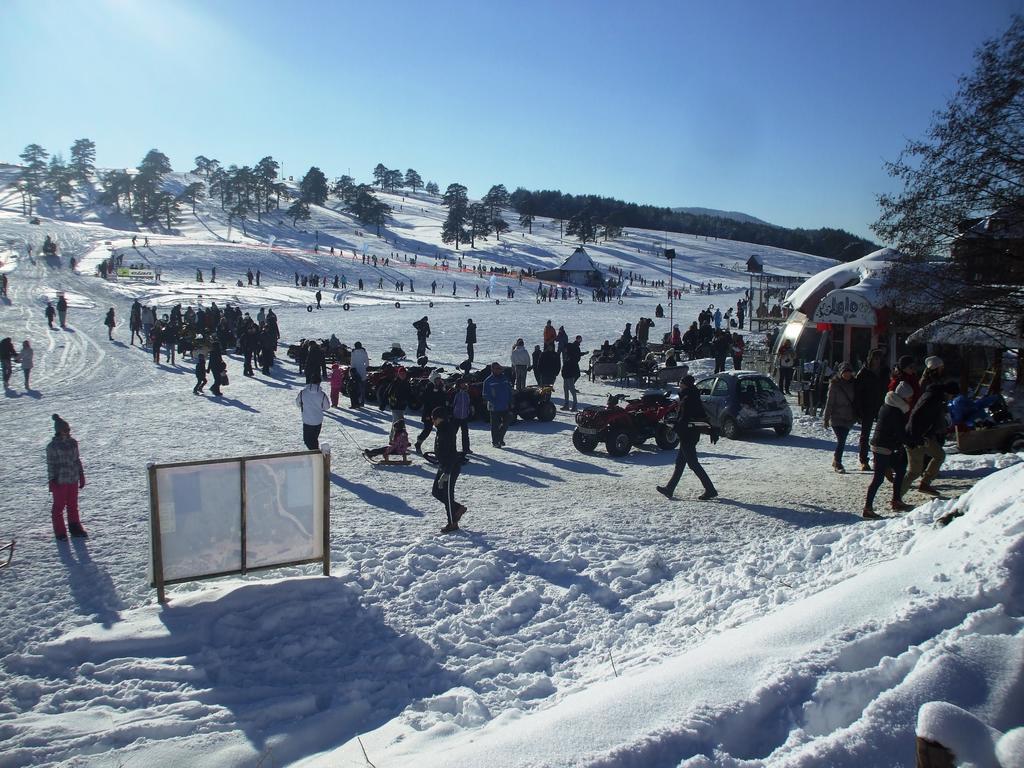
[{"x": 579, "y": 618}]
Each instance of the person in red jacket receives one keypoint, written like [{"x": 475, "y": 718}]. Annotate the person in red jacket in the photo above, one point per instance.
[
  {"x": 906, "y": 370},
  {"x": 66, "y": 476}
]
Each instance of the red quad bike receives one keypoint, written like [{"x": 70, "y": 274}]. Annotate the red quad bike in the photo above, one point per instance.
[{"x": 621, "y": 427}]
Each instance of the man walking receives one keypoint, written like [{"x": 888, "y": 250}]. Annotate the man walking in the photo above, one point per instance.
[
  {"x": 498, "y": 394},
  {"x": 449, "y": 463},
  {"x": 313, "y": 403},
  {"x": 869, "y": 393},
  {"x": 692, "y": 419},
  {"x": 470, "y": 339}
]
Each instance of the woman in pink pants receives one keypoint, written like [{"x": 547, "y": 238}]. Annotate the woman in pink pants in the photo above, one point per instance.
[{"x": 66, "y": 475}]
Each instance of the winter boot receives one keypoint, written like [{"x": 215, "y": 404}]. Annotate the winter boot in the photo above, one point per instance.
[
  {"x": 898, "y": 505},
  {"x": 449, "y": 528},
  {"x": 838, "y": 468},
  {"x": 708, "y": 494},
  {"x": 78, "y": 531},
  {"x": 870, "y": 514},
  {"x": 664, "y": 491},
  {"x": 865, "y": 467}
]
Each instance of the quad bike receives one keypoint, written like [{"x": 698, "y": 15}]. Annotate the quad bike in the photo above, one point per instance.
[
  {"x": 533, "y": 403},
  {"x": 621, "y": 427}
]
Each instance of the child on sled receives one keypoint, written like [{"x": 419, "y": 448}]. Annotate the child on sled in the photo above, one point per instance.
[{"x": 399, "y": 445}]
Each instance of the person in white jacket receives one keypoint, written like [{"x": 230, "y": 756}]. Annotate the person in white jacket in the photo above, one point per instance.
[
  {"x": 27, "y": 358},
  {"x": 313, "y": 402},
  {"x": 520, "y": 363},
  {"x": 360, "y": 366}
]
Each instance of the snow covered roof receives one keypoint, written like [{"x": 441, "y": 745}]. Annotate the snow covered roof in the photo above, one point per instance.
[
  {"x": 972, "y": 326},
  {"x": 579, "y": 261},
  {"x": 863, "y": 276}
]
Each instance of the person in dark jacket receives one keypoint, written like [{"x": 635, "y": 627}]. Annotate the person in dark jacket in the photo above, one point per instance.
[
  {"x": 200, "y": 374},
  {"x": 906, "y": 370},
  {"x": 840, "y": 411},
  {"x": 66, "y": 477},
  {"x": 110, "y": 323},
  {"x": 422, "y": 327},
  {"x": 691, "y": 420},
  {"x": 434, "y": 396},
  {"x": 315, "y": 365},
  {"x": 497, "y": 391},
  {"x": 470, "y": 339},
  {"x": 218, "y": 368},
  {"x": 399, "y": 395},
  {"x": 8, "y": 354},
  {"x": 869, "y": 393},
  {"x": 535, "y": 358},
  {"x": 62, "y": 310},
  {"x": 549, "y": 366},
  {"x": 887, "y": 443},
  {"x": 50, "y": 313},
  {"x": 571, "y": 372},
  {"x": 721, "y": 345},
  {"x": 449, "y": 463},
  {"x": 926, "y": 430}
]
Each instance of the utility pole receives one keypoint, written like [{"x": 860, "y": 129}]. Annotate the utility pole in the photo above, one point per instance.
[{"x": 670, "y": 254}]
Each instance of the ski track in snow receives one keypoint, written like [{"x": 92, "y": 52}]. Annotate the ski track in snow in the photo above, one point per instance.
[{"x": 569, "y": 564}]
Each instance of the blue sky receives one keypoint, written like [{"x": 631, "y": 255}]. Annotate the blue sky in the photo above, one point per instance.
[{"x": 785, "y": 110}]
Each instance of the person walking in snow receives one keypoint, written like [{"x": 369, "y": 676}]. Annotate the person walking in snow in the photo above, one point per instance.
[
  {"x": 434, "y": 396},
  {"x": 520, "y": 364},
  {"x": 422, "y": 327},
  {"x": 135, "y": 323},
  {"x": 62, "y": 310},
  {"x": 200, "y": 374},
  {"x": 219, "y": 369},
  {"x": 318, "y": 297},
  {"x": 27, "y": 358},
  {"x": 359, "y": 369},
  {"x": 50, "y": 313},
  {"x": 840, "y": 411},
  {"x": 887, "y": 443},
  {"x": 869, "y": 386},
  {"x": 571, "y": 372},
  {"x": 66, "y": 477},
  {"x": 691, "y": 420},
  {"x": 449, "y": 464},
  {"x": 337, "y": 377},
  {"x": 462, "y": 412},
  {"x": 313, "y": 403},
  {"x": 497, "y": 391},
  {"x": 927, "y": 425},
  {"x": 3, "y": 285},
  {"x": 8, "y": 354},
  {"x": 110, "y": 323},
  {"x": 470, "y": 339}
]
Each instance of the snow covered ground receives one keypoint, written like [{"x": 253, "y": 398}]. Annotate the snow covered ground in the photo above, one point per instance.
[{"x": 579, "y": 619}]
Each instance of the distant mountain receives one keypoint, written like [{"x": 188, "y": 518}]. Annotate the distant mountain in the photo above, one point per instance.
[{"x": 734, "y": 215}]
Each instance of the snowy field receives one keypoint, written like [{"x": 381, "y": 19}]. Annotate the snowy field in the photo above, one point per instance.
[{"x": 578, "y": 619}]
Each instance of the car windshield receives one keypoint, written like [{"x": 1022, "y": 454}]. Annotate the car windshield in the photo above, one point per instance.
[{"x": 758, "y": 391}]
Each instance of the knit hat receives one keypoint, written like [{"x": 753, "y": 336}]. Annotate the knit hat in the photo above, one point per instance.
[
  {"x": 904, "y": 391},
  {"x": 933, "y": 362},
  {"x": 59, "y": 425},
  {"x": 906, "y": 362}
]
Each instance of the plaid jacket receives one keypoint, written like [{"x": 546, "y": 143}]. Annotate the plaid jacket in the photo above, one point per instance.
[{"x": 62, "y": 462}]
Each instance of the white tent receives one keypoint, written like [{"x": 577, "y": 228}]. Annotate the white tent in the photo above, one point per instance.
[{"x": 578, "y": 268}]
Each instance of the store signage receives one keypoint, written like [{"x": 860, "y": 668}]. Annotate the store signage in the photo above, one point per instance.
[{"x": 844, "y": 307}]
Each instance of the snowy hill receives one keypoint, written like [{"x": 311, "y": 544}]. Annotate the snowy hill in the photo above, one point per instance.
[
  {"x": 735, "y": 215},
  {"x": 579, "y": 618}
]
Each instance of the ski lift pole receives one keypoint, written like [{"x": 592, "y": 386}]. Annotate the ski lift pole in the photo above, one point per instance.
[{"x": 670, "y": 254}]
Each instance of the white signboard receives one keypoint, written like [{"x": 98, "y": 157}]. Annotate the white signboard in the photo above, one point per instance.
[
  {"x": 845, "y": 307},
  {"x": 134, "y": 273}
]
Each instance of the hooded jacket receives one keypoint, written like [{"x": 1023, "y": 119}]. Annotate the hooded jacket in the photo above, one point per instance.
[{"x": 890, "y": 433}]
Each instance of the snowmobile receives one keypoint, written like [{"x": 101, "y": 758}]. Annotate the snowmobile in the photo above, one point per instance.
[{"x": 620, "y": 427}]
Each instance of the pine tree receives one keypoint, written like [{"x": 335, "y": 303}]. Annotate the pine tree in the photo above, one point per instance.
[
  {"x": 265, "y": 176},
  {"x": 154, "y": 166},
  {"x": 393, "y": 180},
  {"x": 454, "y": 227},
  {"x": 192, "y": 193},
  {"x": 168, "y": 207},
  {"x": 526, "y": 220},
  {"x": 83, "y": 159},
  {"x": 367, "y": 208},
  {"x": 380, "y": 174},
  {"x": 33, "y": 175},
  {"x": 344, "y": 188},
  {"x": 239, "y": 212},
  {"x": 499, "y": 225},
  {"x": 313, "y": 187},
  {"x": 58, "y": 180},
  {"x": 479, "y": 223},
  {"x": 582, "y": 225},
  {"x": 496, "y": 197},
  {"x": 431, "y": 188},
  {"x": 413, "y": 180},
  {"x": 299, "y": 211}
]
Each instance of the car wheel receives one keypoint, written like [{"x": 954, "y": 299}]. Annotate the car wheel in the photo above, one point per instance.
[
  {"x": 784, "y": 430},
  {"x": 546, "y": 411},
  {"x": 729, "y": 428},
  {"x": 665, "y": 437},
  {"x": 618, "y": 442},
  {"x": 583, "y": 443},
  {"x": 1016, "y": 443}
]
